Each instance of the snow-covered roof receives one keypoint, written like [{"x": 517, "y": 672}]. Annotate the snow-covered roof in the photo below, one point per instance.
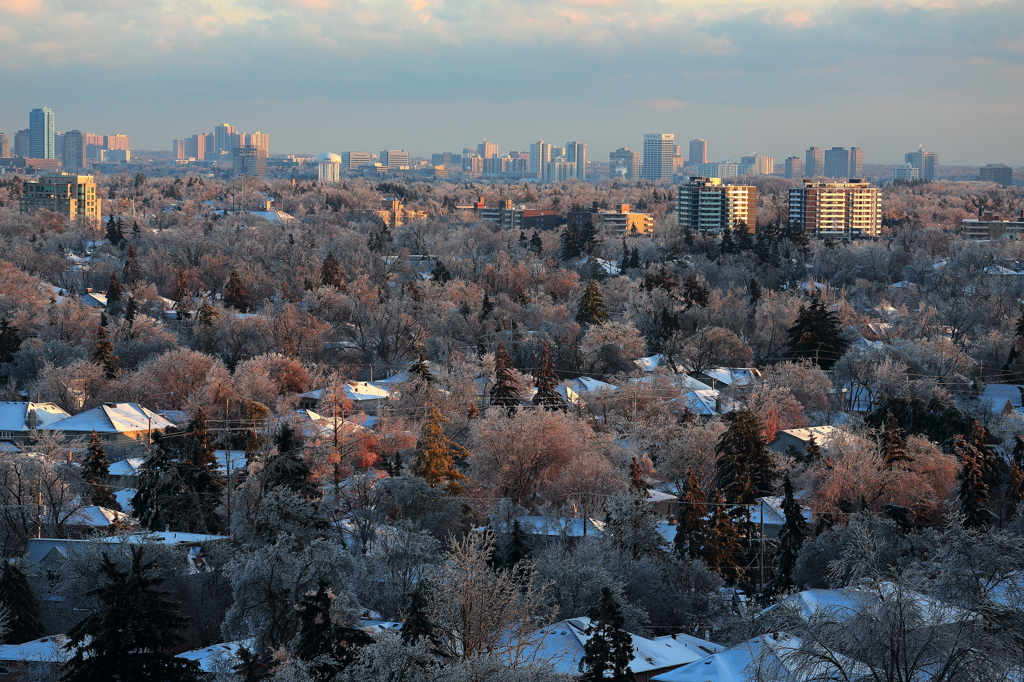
[
  {"x": 549, "y": 526},
  {"x": 124, "y": 498},
  {"x": 1000, "y": 394},
  {"x": 14, "y": 415},
  {"x": 217, "y": 658},
  {"x": 741, "y": 376},
  {"x": 95, "y": 300},
  {"x": 771, "y": 508},
  {"x": 649, "y": 364},
  {"x": 96, "y": 517},
  {"x": 736, "y": 664},
  {"x": 703, "y": 402},
  {"x": 819, "y": 433},
  {"x": 355, "y": 391},
  {"x": 113, "y": 418},
  {"x": 126, "y": 467},
  {"x": 590, "y": 384},
  {"x": 43, "y": 650}
]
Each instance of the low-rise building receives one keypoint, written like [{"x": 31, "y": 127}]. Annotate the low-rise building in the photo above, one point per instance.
[
  {"x": 616, "y": 222},
  {"x": 72, "y": 196},
  {"x": 395, "y": 214},
  {"x": 512, "y": 217},
  {"x": 115, "y": 423},
  {"x": 19, "y": 419},
  {"x": 989, "y": 226}
]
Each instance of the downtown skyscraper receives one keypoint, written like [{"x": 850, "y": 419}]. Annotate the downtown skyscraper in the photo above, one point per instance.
[
  {"x": 41, "y": 134},
  {"x": 659, "y": 155}
]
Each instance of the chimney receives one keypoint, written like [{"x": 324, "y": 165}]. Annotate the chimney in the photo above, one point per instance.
[
  {"x": 30, "y": 419},
  {"x": 718, "y": 404}
]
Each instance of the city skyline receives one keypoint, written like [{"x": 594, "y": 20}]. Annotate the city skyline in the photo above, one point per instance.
[{"x": 747, "y": 75}]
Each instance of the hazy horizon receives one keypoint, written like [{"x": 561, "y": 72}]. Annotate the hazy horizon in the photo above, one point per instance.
[{"x": 437, "y": 75}]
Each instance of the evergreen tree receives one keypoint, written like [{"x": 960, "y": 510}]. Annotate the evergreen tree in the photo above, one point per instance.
[
  {"x": 1014, "y": 490},
  {"x": 182, "y": 290},
  {"x": 505, "y": 392},
  {"x": 518, "y": 549},
  {"x": 114, "y": 291},
  {"x": 288, "y": 467},
  {"x": 974, "y": 492},
  {"x": 754, "y": 291},
  {"x": 692, "y": 528},
  {"x": 792, "y": 535},
  {"x": 330, "y": 272},
  {"x": 129, "y": 316},
  {"x": 746, "y": 467},
  {"x": 207, "y": 314},
  {"x": 434, "y": 460},
  {"x": 592, "y": 309},
  {"x": 1018, "y": 451},
  {"x": 609, "y": 651},
  {"x": 440, "y": 273},
  {"x": 724, "y": 550},
  {"x": 812, "y": 453},
  {"x": 546, "y": 383},
  {"x": 486, "y": 308},
  {"x": 328, "y": 647},
  {"x": 536, "y": 245},
  {"x": 695, "y": 293},
  {"x": 10, "y": 341},
  {"x": 990, "y": 462},
  {"x": 17, "y": 597},
  {"x": 115, "y": 235},
  {"x": 817, "y": 335},
  {"x": 127, "y": 636},
  {"x": 637, "y": 483},
  {"x": 727, "y": 245},
  {"x": 158, "y": 489},
  {"x": 103, "y": 354},
  {"x": 420, "y": 371},
  {"x": 416, "y": 624},
  {"x": 95, "y": 471},
  {"x": 200, "y": 474},
  {"x": 236, "y": 295},
  {"x": 132, "y": 272},
  {"x": 894, "y": 448}
]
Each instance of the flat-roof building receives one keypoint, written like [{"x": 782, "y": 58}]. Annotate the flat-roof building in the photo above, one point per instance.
[
  {"x": 706, "y": 205},
  {"x": 838, "y": 209},
  {"x": 999, "y": 173},
  {"x": 73, "y": 196}
]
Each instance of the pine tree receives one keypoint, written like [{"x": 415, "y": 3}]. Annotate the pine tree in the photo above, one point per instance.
[
  {"x": 327, "y": 646},
  {"x": 505, "y": 392},
  {"x": 103, "y": 354},
  {"x": 288, "y": 467},
  {"x": 95, "y": 471},
  {"x": 200, "y": 474},
  {"x": 10, "y": 341},
  {"x": 974, "y": 492},
  {"x": 126, "y": 636},
  {"x": 817, "y": 335},
  {"x": 416, "y": 624},
  {"x": 330, "y": 272},
  {"x": 17, "y": 597},
  {"x": 114, "y": 292},
  {"x": 692, "y": 528},
  {"x": 894, "y": 448},
  {"x": 746, "y": 467},
  {"x": 725, "y": 550},
  {"x": 115, "y": 235},
  {"x": 609, "y": 651},
  {"x": 434, "y": 460},
  {"x": 546, "y": 383},
  {"x": 132, "y": 272},
  {"x": 592, "y": 309},
  {"x": 236, "y": 295},
  {"x": 792, "y": 535},
  {"x": 637, "y": 483}
]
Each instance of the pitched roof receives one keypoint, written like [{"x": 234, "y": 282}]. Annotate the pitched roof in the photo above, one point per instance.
[
  {"x": 14, "y": 415},
  {"x": 43, "y": 650},
  {"x": 113, "y": 418}
]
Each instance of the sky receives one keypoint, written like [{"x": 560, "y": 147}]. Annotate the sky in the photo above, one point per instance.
[{"x": 766, "y": 76}]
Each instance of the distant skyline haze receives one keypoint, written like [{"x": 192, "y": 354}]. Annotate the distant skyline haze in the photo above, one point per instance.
[{"x": 437, "y": 75}]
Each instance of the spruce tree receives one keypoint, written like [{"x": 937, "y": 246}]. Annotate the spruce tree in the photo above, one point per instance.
[
  {"x": 128, "y": 635},
  {"x": 486, "y": 308},
  {"x": 812, "y": 453},
  {"x": 207, "y": 314},
  {"x": 181, "y": 286},
  {"x": 592, "y": 309},
  {"x": 420, "y": 371},
  {"x": 637, "y": 483},
  {"x": 434, "y": 460},
  {"x": 990, "y": 462},
  {"x": 103, "y": 354},
  {"x": 692, "y": 528},
  {"x": 505, "y": 392},
  {"x": 609, "y": 651},
  {"x": 725, "y": 549},
  {"x": 330, "y": 272},
  {"x": 817, "y": 335},
  {"x": 114, "y": 292},
  {"x": 17, "y": 597},
  {"x": 114, "y": 235},
  {"x": 416, "y": 624},
  {"x": 546, "y": 383},
  {"x": 158, "y": 489},
  {"x": 894, "y": 448},
  {"x": 727, "y": 244},
  {"x": 792, "y": 535},
  {"x": 1014, "y": 490},
  {"x": 236, "y": 295},
  {"x": 132, "y": 272},
  {"x": 746, "y": 467},
  {"x": 536, "y": 245},
  {"x": 200, "y": 475},
  {"x": 974, "y": 491},
  {"x": 10, "y": 341},
  {"x": 288, "y": 468},
  {"x": 320, "y": 642},
  {"x": 95, "y": 471}
]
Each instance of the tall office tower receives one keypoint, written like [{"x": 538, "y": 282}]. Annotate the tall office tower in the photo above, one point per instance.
[
  {"x": 794, "y": 167},
  {"x": 73, "y": 155},
  {"x": 394, "y": 158},
  {"x": 814, "y": 165},
  {"x": 73, "y": 196},
  {"x": 837, "y": 163},
  {"x": 837, "y": 209},
  {"x": 576, "y": 152},
  {"x": 624, "y": 163},
  {"x": 196, "y": 147},
  {"x": 117, "y": 142},
  {"x": 540, "y": 156},
  {"x": 222, "y": 138},
  {"x": 698, "y": 152},
  {"x": 260, "y": 141},
  {"x": 706, "y": 205},
  {"x": 856, "y": 162},
  {"x": 5, "y": 147},
  {"x": 487, "y": 150},
  {"x": 659, "y": 150},
  {"x": 178, "y": 149},
  {"x": 353, "y": 160},
  {"x": 999, "y": 173},
  {"x": 249, "y": 160},
  {"x": 40, "y": 125},
  {"x": 926, "y": 163}
]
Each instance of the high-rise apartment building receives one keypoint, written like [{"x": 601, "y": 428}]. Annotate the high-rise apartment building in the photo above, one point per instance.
[
  {"x": 487, "y": 150},
  {"x": 837, "y": 163},
  {"x": 196, "y": 148},
  {"x": 559, "y": 171},
  {"x": 624, "y": 163},
  {"x": 706, "y": 205},
  {"x": 659, "y": 151},
  {"x": 222, "y": 138},
  {"x": 178, "y": 149},
  {"x": 755, "y": 164},
  {"x": 73, "y": 196},
  {"x": 926, "y": 163},
  {"x": 718, "y": 169},
  {"x": 814, "y": 163},
  {"x": 5, "y": 147},
  {"x": 905, "y": 172},
  {"x": 698, "y": 152},
  {"x": 576, "y": 152},
  {"x": 249, "y": 160},
  {"x": 115, "y": 155},
  {"x": 794, "y": 167},
  {"x": 446, "y": 159},
  {"x": 837, "y": 209},
  {"x": 117, "y": 142},
  {"x": 40, "y": 125},
  {"x": 23, "y": 143},
  {"x": 540, "y": 157},
  {"x": 856, "y": 163},
  {"x": 260, "y": 141},
  {"x": 394, "y": 159},
  {"x": 73, "y": 155},
  {"x": 998, "y": 173}
]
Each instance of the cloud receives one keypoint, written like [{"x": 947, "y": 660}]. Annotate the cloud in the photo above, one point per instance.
[{"x": 663, "y": 104}]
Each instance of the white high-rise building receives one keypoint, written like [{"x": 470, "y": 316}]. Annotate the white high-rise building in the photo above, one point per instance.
[
  {"x": 42, "y": 140},
  {"x": 659, "y": 156},
  {"x": 576, "y": 152},
  {"x": 540, "y": 156}
]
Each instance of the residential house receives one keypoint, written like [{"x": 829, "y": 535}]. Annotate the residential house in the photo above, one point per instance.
[
  {"x": 116, "y": 424},
  {"x": 35, "y": 661},
  {"x": 365, "y": 397},
  {"x": 799, "y": 439},
  {"x": 19, "y": 419}
]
